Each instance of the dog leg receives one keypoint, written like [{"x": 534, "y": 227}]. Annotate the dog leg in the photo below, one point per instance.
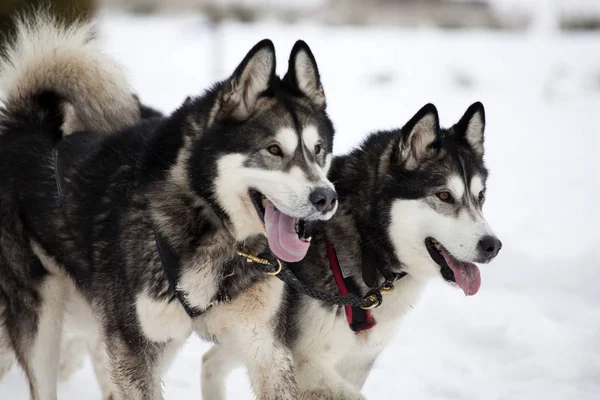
[
  {"x": 249, "y": 327},
  {"x": 133, "y": 365},
  {"x": 137, "y": 366},
  {"x": 322, "y": 382},
  {"x": 269, "y": 363},
  {"x": 217, "y": 363},
  {"x": 35, "y": 333},
  {"x": 101, "y": 366}
]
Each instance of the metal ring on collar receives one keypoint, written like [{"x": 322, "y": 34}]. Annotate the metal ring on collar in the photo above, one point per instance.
[{"x": 375, "y": 302}]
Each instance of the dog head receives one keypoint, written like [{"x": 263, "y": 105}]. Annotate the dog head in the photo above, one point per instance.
[
  {"x": 266, "y": 148},
  {"x": 436, "y": 188}
]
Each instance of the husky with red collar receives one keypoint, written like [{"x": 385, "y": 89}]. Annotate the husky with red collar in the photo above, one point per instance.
[{"x": 410, "y": 210}]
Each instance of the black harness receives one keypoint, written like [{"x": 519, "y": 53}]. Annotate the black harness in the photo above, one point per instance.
[
  {"x": 357, "y": 307},
  {"x": 170, "y": 266}
]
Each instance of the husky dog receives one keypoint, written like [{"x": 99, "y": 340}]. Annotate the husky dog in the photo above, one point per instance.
[
  {"x": 139, "y": 229},
  {"x": 410, "y": 206},
  {"x": 69, "y": 61}
]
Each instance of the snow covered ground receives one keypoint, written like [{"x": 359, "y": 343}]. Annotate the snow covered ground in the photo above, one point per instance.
[{"x": 533, "y": 331}]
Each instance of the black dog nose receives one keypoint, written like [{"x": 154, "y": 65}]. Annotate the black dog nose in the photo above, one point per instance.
[
  {"x": 490, "y": 246},
  {"x": 324, "y": 199}
]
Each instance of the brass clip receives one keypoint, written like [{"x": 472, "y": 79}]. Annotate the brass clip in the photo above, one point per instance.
[
  {"x": 258, "y": 260},
  {"x": 252, "y": 258}
]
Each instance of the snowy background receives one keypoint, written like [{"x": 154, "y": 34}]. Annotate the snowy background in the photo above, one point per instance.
[{"x": 533, "y": 331}]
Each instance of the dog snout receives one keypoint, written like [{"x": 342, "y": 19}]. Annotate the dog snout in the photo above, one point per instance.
[
  {"x": 324, "y": 199},
  {"x": 489, "y": 246}
]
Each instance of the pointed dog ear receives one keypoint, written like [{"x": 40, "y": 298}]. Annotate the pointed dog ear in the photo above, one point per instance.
[
  {"x": 303, "y": 75},
  {"x": 471, "y": 127},
  {"x": 418, "y": 135},
  {"x": 412, "y": 143},
  {"x": 254, "y": 76}
]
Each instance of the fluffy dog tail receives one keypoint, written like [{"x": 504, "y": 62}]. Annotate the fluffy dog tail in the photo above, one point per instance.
[{"x": 54, "y": 76}]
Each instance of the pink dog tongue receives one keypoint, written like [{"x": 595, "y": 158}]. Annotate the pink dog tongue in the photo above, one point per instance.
[
  {"x": 281, "y": 235},
  {"x": 467, "y": 275}
]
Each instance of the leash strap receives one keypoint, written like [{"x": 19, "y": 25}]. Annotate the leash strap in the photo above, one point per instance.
[
  {"x": 358, "y": 319},
  {"x": 272, "y": 266}
]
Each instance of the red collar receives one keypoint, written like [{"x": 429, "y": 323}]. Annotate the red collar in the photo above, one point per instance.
[{"x": 358, "y": 319}]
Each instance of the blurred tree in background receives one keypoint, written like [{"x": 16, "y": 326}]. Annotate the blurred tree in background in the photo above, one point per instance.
[{"x": 68, "y": 10}]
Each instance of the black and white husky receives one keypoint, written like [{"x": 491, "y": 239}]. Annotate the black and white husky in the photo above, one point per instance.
[
  {"x": 410, "y": 209},
  {"x": 138, "y": 228}
]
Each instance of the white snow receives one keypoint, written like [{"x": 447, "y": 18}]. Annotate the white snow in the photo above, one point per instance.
[{"x": 533, "y": 331}]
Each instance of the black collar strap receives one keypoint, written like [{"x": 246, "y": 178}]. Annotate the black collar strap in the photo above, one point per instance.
[{"x": 170, "y": 265}]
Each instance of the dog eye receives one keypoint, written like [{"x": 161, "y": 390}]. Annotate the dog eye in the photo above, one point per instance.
[
  {"x": 275, "y": 150},
  {"x": 481, "y": 197},
  {"x": 318, "y": 149},
  {"x": 445, "y": 196}
]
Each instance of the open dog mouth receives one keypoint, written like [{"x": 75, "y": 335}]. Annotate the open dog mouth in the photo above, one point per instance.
[
  {"x": 464, "y": 274},
  {"x": 288, "y": 237}
]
